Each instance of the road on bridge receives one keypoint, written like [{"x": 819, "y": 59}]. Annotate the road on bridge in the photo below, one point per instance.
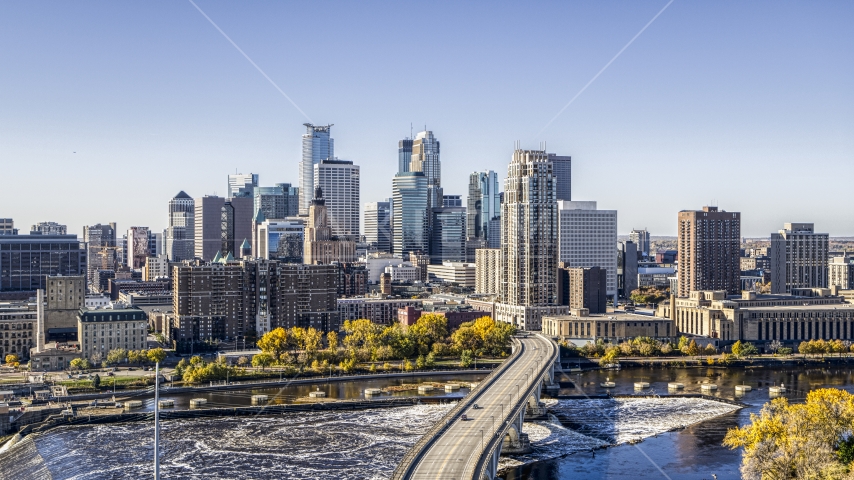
[{"x": 463, "y": 443}]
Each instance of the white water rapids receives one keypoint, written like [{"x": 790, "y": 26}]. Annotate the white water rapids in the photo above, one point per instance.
[{"x": 339, "y": 445}]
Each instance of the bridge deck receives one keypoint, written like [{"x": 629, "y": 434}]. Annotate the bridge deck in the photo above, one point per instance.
[{"x": 455, "y": 452}]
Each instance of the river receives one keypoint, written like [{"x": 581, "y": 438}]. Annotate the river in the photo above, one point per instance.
[{"x": 368, "y": 444}]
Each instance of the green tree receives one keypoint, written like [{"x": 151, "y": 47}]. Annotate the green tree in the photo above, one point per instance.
[
  {"x": 348, "y": 365},
  {"x": 428, "y": 329},
  {"x": 75, "y": 364},
  {"x": 465, "y": 358},
  {"x": 430, "y": 360},
  {"x": 420, "y": 362},
  {"x": 748, "y": 349},
  {"x": 407, "y": 365},
  {"x": 96, "y": 381},
  {"x": 156, "y": 355},
  {"x": 182, "y": 365},
  {"x": 610, "y": 356},
  {"x": 12, "y": 358},
  {"x": 263, "y": 360}
]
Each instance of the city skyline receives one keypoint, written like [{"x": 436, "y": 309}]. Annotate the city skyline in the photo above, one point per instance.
[{"x": 190, "y": 109}]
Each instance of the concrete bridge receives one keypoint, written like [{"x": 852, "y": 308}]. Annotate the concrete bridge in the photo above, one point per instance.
[{"x": 469, "y": 449}]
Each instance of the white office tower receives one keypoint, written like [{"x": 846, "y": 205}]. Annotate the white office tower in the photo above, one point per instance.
[
  {"x": 339, "y": 180},
  {"x": 588, "y": 238},
  {"x": 798, "y": 258},
  {"x": 425, "y": 158},
  {"x": 241, "y": 184},
  {"x": 317, "y": 145},
  {"x": 641, "y": 239},
  {"x": 529, "y": 232},
  {"x": 378, "y": 225},
  {"x": 180, "y": 233}
]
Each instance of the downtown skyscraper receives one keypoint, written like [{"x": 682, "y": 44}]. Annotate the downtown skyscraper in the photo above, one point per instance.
[
  {"x": 317, "y": 145},
  {"x": 340, "y": 182},
  {"x": 529, "y": 249},
  {"x": 181, "y": 230},
  {"x": 484, "y": 207}
]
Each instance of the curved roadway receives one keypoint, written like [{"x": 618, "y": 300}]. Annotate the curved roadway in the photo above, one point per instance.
[{"x": 454, "y": 453}]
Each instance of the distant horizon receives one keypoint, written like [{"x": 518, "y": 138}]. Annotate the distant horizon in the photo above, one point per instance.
[{"x": 110, "y": 109}]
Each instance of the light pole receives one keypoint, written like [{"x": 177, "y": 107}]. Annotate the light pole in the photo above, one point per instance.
[{"x": 156, "y": 420}]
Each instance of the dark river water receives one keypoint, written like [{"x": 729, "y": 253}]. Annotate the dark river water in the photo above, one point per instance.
[{"x": 369, "y": 444}]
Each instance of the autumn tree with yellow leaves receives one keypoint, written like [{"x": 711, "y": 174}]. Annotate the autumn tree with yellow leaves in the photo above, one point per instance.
[{"x": 812, "y": 440}]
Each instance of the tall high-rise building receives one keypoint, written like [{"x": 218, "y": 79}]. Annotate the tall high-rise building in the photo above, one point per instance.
[
  {"x": 317, "y": 145},
  {"x": 235, "y": 225},
  {"x": 26, "y": 260},
  {"x": 208, "y": 225},
  {"x": 709, "y": 248},
  {"x": 562, "y": 170},
  {"x": 101, "y": 245},
  {"x": 588, "y": 238},
  {"x": 425, "y": 158},
  {"x": 339, "y": 180},
  {"x": 641, "y": 239},
  {"x": 281, "y": 201},
  {"x": 410, "y": 213},
  {"x": 484, "y": 206},
  {"x": 49, "y": 228},
  {"x": 138, "y": 248},
  {"x": 798, "y": 258},
  {"x": 404, "y": 155},
  {"x": 241, "y": 184},
  {"x": 448, "y": 235},
  {"x": 321, "y": 245},
  {"x": 378, "y": 225},
  {"x": 181, "y": 232},
  {"x": 529, "y": 232},
  {"x": 488, "y": 270},
  {"x": 627, "y": 268}
]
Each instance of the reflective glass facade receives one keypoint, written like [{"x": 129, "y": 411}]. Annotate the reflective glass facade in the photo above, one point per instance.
[
  {"x": 409, "y": 205},
  {"x": 25, "y": 260}
]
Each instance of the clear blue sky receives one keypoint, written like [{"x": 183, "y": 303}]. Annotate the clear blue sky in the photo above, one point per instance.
[{"x": 748, "y": 104}]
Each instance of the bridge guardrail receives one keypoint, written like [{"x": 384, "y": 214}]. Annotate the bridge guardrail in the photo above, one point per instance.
[
  {"x": 496, "y": 440},
  {"x": 413, "y": 455}
]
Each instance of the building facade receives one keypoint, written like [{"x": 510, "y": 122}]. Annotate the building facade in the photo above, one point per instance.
[
  {"x": 321, "y": 245},
  {"x": 582, "y": 327},
  {"x": 448, "y": 235},
  {"x": 49, "y": 228},
  {"x": 102, "y": 330},
  {"x": 18, "y": 328},
  {"x": 100, "y": 242},
  {"x": 460, "y": 273},
  {"x": 378, "y": 225},
  {"x": 588, "y": 238},
  {"x": 709, "y": 246},
  {"x": 340, "y": 181},
  {"x": 317, "y": 145},
  {"x": 235, "y": 225},
  {"x": 242, "y": 184},
  {"x": 840, "y": 272},
  {"x": 488, "y": 271},
  {"x": 425, "y": 158},
  {"x": 278, "y": 202},
  {"x": 580, "y": 287},
  {"x": 208, "y": 226},
  {"x": 483, "y": 206},
  {"x": 562, "y": 171},
  {"x": 529, "y": 233},
  {"x": 627, "y": 268},
  {"x": 281, "y": 240},
  {"x": 27, "y": 260},
  {"x": 409, "y": 213},
  {"x": 641, "y": 239},
  {"x": 180, "y": 234},
  {"x": 404, "y": 155},
  {"x": 798, "y": 258}
]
